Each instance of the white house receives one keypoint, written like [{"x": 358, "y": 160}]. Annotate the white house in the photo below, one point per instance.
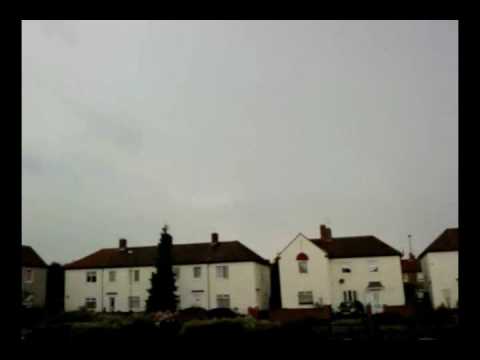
[
  {"x": 440, "y": 267},
  {"x": 329, "y": 271},
  {"x": 34, "y": 278},
  {"x": 209, "y": 275}
]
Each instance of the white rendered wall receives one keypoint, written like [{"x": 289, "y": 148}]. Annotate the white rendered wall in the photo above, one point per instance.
[
  {"x": 292, "y": 281},
  {"x": 389, "y": 274},
  {"x": 244, "y": 278},
  {"x": 441, "y": 273}
]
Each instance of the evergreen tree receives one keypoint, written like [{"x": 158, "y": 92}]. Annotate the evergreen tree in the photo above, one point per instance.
[
  {"x": 162, "y": 292},
  {"x": 275, "y": 296}
]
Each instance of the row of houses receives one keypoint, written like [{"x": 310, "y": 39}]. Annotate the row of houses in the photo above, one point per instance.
[{"x": 312, "y": 272}]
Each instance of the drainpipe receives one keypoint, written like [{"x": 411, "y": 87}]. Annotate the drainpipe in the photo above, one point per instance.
[
  {"x": 208, "y": 287},
  {"x": 102, "y": 291}
]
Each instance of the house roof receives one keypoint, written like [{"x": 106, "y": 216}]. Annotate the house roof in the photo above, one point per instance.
[
  {"x": 30, "y": 258},
  {"x": 411, "y": 266},
  {"x": 355, "y": 246},
  {"x": 183, "y": 254},
  {"x": 447, "y": 241}
]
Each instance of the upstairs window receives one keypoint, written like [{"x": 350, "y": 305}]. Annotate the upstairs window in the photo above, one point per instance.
[
  {"x": 346, "y": 269},
  {"x": 197, "y": 272},
  {"x": 91, "y": 276},
  {"x": 28, "y": 275},
  {"x": 112, "y": 276},
  {"x": 373, "y": 268},
  {"x": 222, "y": 271},
  {"x": 302, "y": 260},
  {"x": 303, "y": 267},
  {"x": 176, "y": 271}
]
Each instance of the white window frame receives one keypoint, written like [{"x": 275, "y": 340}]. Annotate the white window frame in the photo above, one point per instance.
[
  {"x": 222, "y": 271},
  {"x": 303, "y": 266},
  {"x": 223, "y": 299},
  {"x": 197, "y": 272},
  {"x": 91, "y": 276},
  {"x": 112, "y": 275},
  {"x": 305, "y": 298},
  {"x": 91, "y": 300},
  {"x": 134, "y": 300},
  {"x": 350, "y": 296},
  {"x": 29, "y": 279}
]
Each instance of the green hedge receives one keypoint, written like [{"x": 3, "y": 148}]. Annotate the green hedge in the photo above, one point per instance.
[{"x": 225, "y": 327}]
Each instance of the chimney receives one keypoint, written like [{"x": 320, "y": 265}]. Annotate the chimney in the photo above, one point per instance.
[
  {"x": 325, "y": 233},
  {"x": 214, "y": 238},
  {"x": 122, "y": 244}
]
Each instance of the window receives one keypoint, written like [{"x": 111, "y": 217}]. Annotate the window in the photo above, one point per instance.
[
  {"x": 134, "y": 276},
  {"x": 111, "y": 276},
  {"x": 346, "y": 269},
  {"x": 373, "y": 268},
  {"x": 197, "y": 271},
  {"x": 134, "y": 302},
  {"x": 302, "y": 266},
  {"x": 91, "y": 303},
  {"x": 176, "y": 271},
  {"x": 91, "y": 276},
  {"x": 222, "y": 271},
  {"x": 305, "y": 298},
  {"x": 223, "y": 301},
  {"x": 28, "y": 275},
  {"x": 350, "y": 296},
  {"x": 302, "y": 259}
]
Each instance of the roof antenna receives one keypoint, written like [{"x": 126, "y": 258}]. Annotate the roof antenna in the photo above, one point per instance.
[{"x": 410, "y": 244}]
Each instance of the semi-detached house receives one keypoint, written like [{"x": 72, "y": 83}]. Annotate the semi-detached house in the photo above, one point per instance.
[
  {"x": 209, "y": 275},
  {"x": 327, "y": 271},
  {"x": 34, "y": 278},
  {"x": 440, "y": 267}
]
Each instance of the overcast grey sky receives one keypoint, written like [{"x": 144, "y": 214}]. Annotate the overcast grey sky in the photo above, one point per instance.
[{"x": 255, "y": 129}]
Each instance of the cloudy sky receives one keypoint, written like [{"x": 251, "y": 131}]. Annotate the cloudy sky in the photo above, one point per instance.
[{"x": 257, "y": 130}]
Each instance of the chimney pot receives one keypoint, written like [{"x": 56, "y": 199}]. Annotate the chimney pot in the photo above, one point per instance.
[
  {"x": 325, "y": 233},
  {"x": 214, "y": 238},
  {"x": 122, "y": 244}
]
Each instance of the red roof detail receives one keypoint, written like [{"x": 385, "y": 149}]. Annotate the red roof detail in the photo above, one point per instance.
[{"x": 302, "y": 256}]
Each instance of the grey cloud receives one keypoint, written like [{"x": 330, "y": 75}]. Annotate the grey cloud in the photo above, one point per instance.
[{"x": 255, "y": 129}]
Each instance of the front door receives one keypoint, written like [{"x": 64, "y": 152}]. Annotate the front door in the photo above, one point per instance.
[
  {"x": 373, "y": 298},
  {"x": 111, "y": 303}
]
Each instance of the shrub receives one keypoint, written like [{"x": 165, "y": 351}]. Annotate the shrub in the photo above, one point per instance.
[
  {"x": 192, "y": 313},
  {"x": 226, "y": 327},
  {"x": 75, "y": 316},
  {"x": 222, "y": 313}
]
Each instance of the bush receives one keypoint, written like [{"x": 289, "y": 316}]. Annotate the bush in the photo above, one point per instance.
[
  {"x": 192, "y": 313},
  {"x": 226, "y": 327},
  {"x": 387, "y": 318},
  {"x": 222, "y": 313},
  {"x": 75, "y": 316}
]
